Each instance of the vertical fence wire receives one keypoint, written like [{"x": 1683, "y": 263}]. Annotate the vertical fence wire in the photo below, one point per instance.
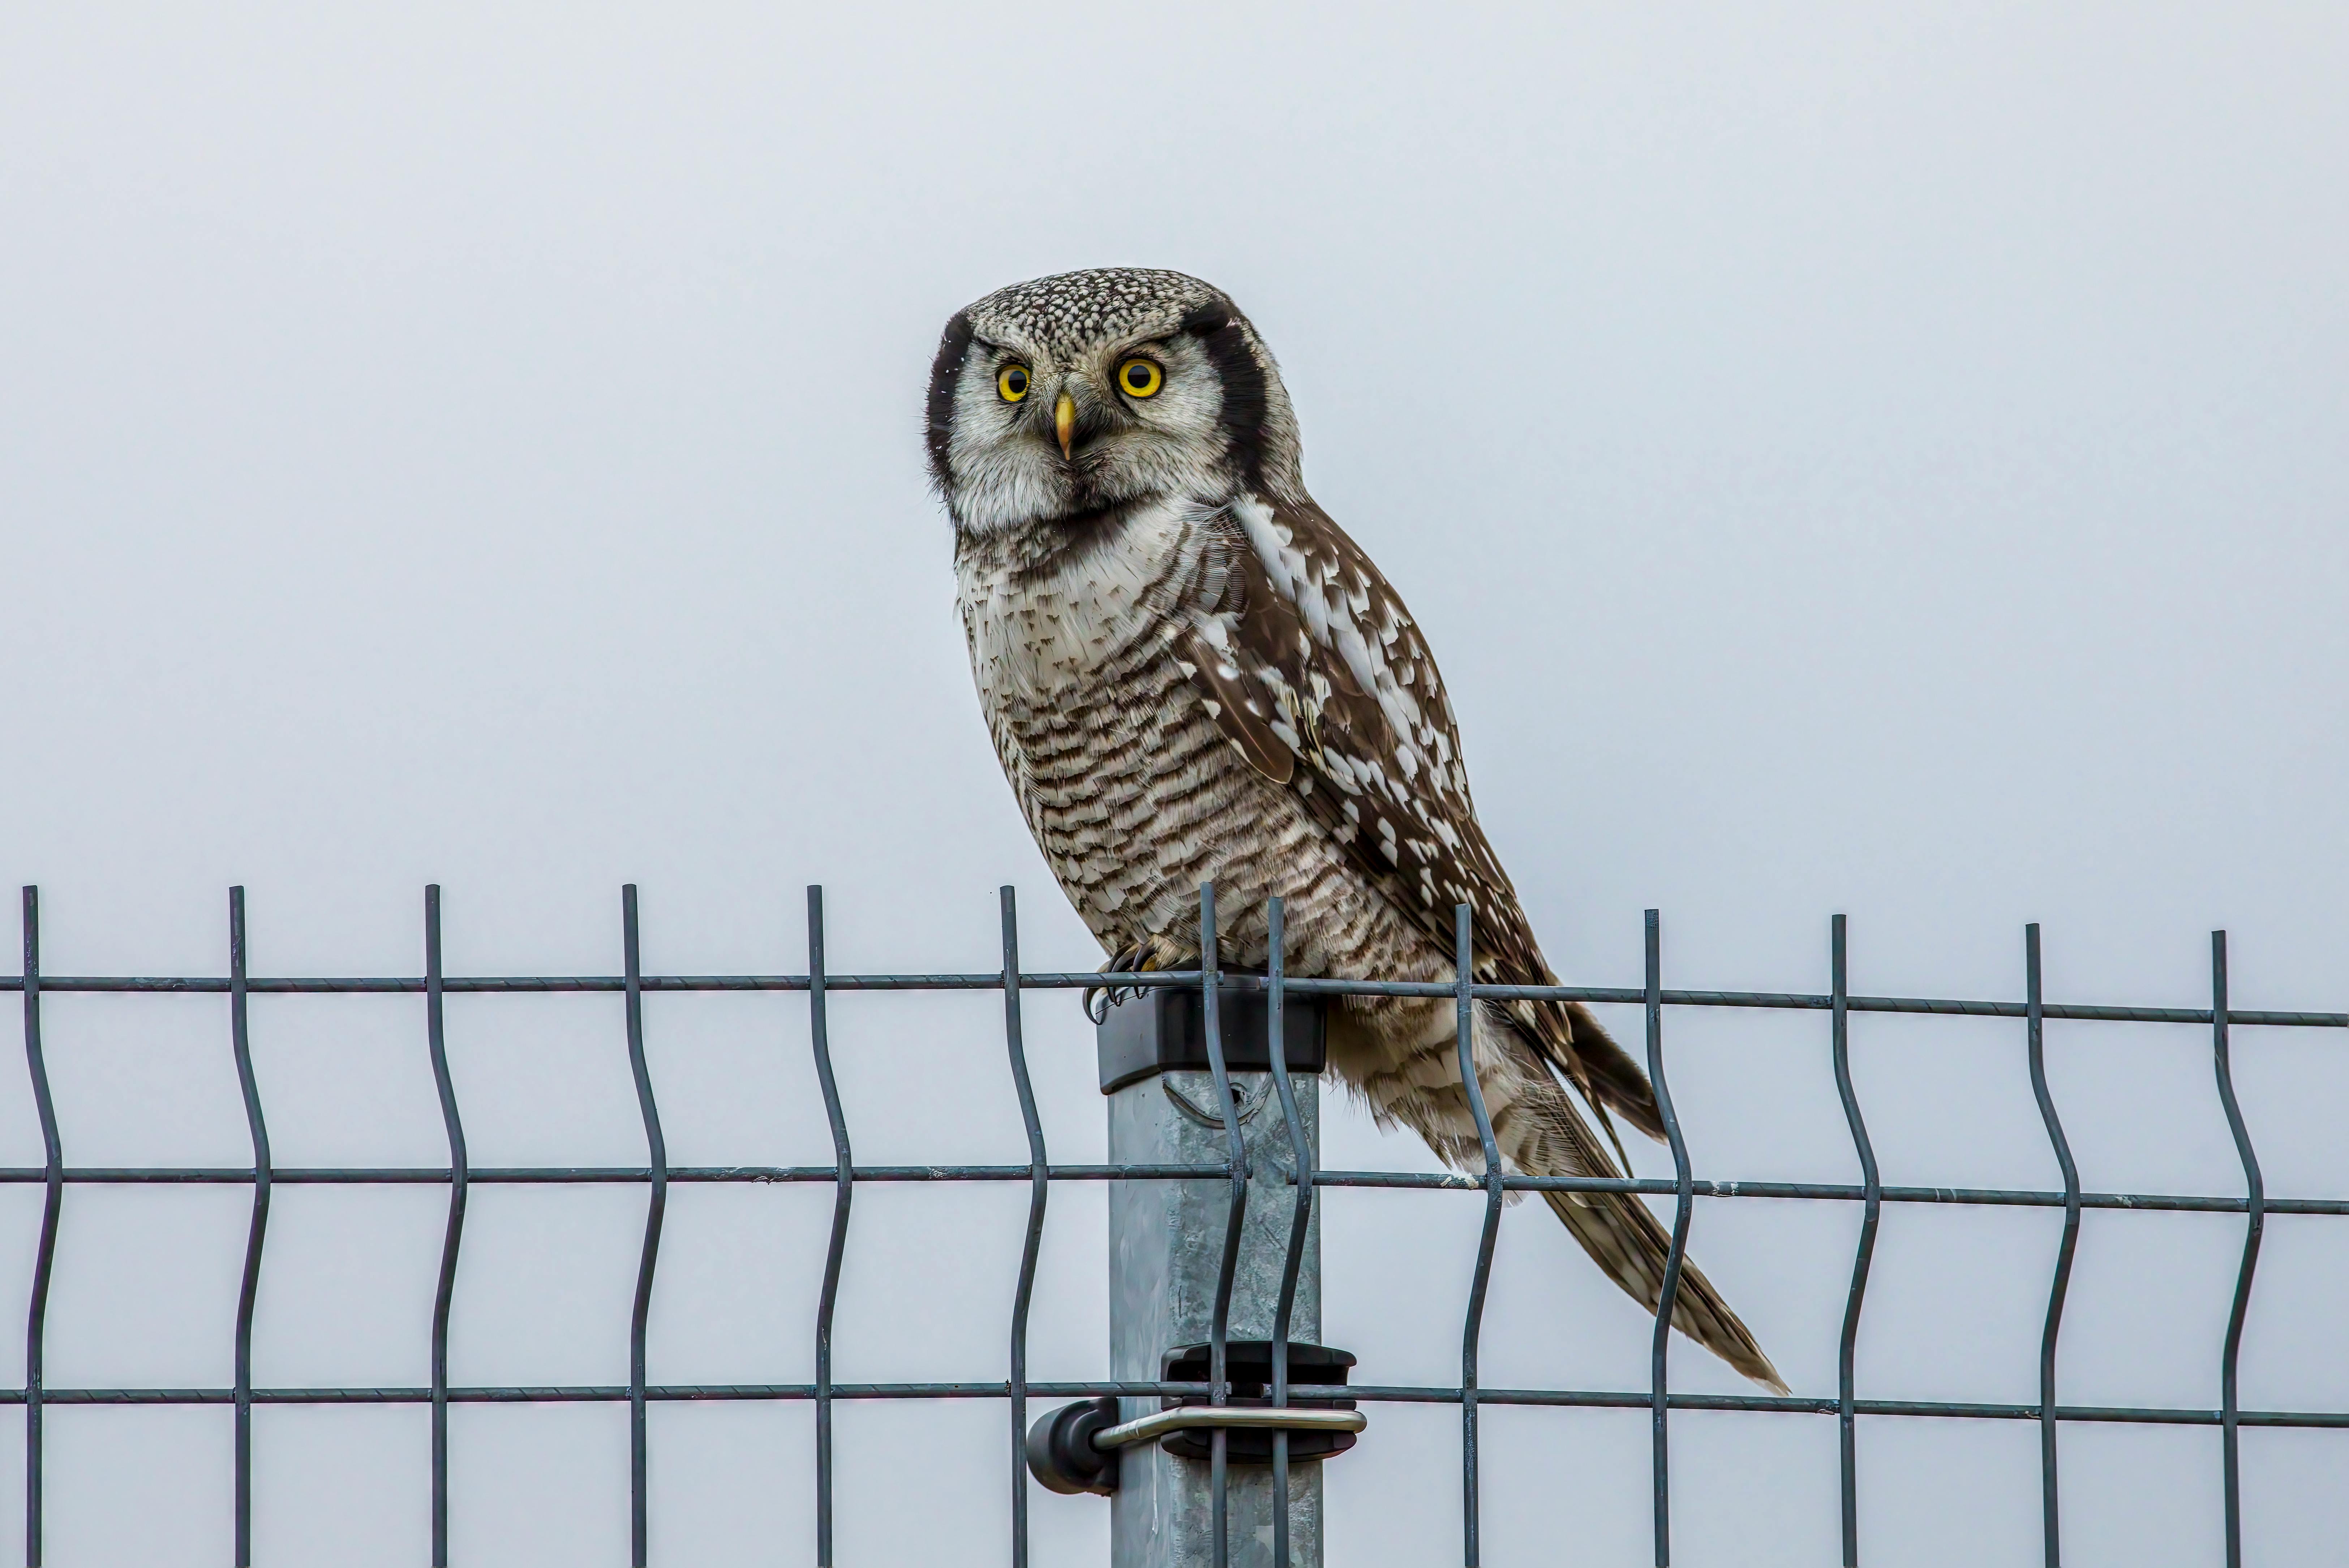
[
  {"x": 1683, "y": 1202},
  {"x": 2230, "y": 1411},
  {"x": 1871, "y": 1208},
  {"x": 656, "y": 1210},
  {"x": 52, "y": 1179},
  {"x": 1039, "y": 1189},
  {"x": 249, "y": 1292},
  {"x": 836, "y": 1248},
  {"x": 1463, "y": 973},
  {"x": 445, "y": 1293},
  {"x": 1227, "y": 1107},
  {"x": 2035, "y": 1034},
  {"x": 1301, "y": 1217}
]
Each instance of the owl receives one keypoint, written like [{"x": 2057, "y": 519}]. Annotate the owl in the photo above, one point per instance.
[{"x": 1192, "y": 675}]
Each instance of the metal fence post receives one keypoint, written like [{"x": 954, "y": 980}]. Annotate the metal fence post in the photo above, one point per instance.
[{"x": 1166, "y": 1258}]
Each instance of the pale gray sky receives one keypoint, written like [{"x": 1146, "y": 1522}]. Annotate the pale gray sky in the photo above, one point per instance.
[{"x": 1846, "y": 458}]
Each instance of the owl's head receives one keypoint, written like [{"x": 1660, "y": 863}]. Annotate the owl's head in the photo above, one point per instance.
[{"x": 1055, "y": 400}]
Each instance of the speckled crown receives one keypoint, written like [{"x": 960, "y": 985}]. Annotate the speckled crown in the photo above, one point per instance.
[{"x": 1068, "y": 311}]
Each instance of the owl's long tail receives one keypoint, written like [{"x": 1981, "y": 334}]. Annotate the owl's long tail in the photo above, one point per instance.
[
  {"x": 1541, "y": 1133},
  {"x": 1571, "y": 1040},
  {"x": 1630, "y": 1244}
]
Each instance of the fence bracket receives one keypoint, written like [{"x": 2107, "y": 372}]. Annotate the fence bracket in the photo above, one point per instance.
[
  {"x": 1074, "y": 1448},
  {"x": 1192, "y": 1422}
]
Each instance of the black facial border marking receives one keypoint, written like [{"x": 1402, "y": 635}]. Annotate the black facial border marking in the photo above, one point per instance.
[
  {"x": 954, "y": 348},
  {"x": 1222, "y": 331}
]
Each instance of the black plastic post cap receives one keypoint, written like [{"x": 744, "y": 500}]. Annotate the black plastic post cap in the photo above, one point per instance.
[{"x": 1164, "y": 1029}]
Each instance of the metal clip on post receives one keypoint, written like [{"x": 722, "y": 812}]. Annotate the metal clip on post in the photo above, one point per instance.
[{"x": 1074, "y": 1448}]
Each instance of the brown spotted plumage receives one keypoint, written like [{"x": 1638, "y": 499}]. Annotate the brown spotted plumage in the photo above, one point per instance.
[{"x": 1192, "y": 675}]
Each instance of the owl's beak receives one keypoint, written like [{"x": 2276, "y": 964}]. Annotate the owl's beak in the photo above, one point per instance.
[{"x": 1064, "y": 422}]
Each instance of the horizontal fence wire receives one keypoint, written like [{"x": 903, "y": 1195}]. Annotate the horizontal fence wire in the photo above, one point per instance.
[
  {"x": 1436, "y": 1394},
  {"x": 1493, "y": 1182},
  {"x": 1087, "y": 979},
  {"x": 433, "y": 1175}
]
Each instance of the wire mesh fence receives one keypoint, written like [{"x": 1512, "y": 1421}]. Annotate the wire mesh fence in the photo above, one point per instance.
[{"x": 1493, "y": 1183}]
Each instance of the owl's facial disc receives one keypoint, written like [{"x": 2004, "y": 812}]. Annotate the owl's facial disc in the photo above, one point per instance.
[
  {"x": 1040, "y": 437},
  {"x": 1067, "y": 398}
]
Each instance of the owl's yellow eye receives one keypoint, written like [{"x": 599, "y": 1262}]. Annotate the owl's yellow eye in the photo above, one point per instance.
[
  {"x": 1012, "y": 382},
  {"x": 1140, "y": 377}
]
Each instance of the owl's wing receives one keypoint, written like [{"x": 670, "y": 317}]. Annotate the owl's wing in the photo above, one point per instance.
[{"x": 1317, "y": 676}]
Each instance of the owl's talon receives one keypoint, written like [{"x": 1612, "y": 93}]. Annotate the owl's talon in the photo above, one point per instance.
[{"x": 1099, "y": 999}]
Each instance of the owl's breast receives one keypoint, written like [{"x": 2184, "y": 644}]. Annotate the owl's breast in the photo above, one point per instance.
[
  {"x": 1041, "y": 624},
  {"x": 1133, "y": 791},
  {"x": 1085, "y": 705}
]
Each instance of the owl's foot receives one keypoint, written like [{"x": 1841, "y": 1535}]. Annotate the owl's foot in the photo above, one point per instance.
[{"x": 1139, "y": 958}]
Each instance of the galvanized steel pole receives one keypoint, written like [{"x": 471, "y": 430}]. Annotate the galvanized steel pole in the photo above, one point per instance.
[
  {"x": 1166, "y": 1242},
  {"x": 1168, "y": 1246}
]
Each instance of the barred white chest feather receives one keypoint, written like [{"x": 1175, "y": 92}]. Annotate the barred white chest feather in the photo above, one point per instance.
[
  {"x": 1039, "y": 631},
  {"x": 1192, "y": 675},
  {"x": 1134, "y": 791}
]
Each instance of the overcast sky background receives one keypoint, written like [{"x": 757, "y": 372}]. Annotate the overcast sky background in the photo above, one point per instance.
[{"x": 1888, "y": 460}]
